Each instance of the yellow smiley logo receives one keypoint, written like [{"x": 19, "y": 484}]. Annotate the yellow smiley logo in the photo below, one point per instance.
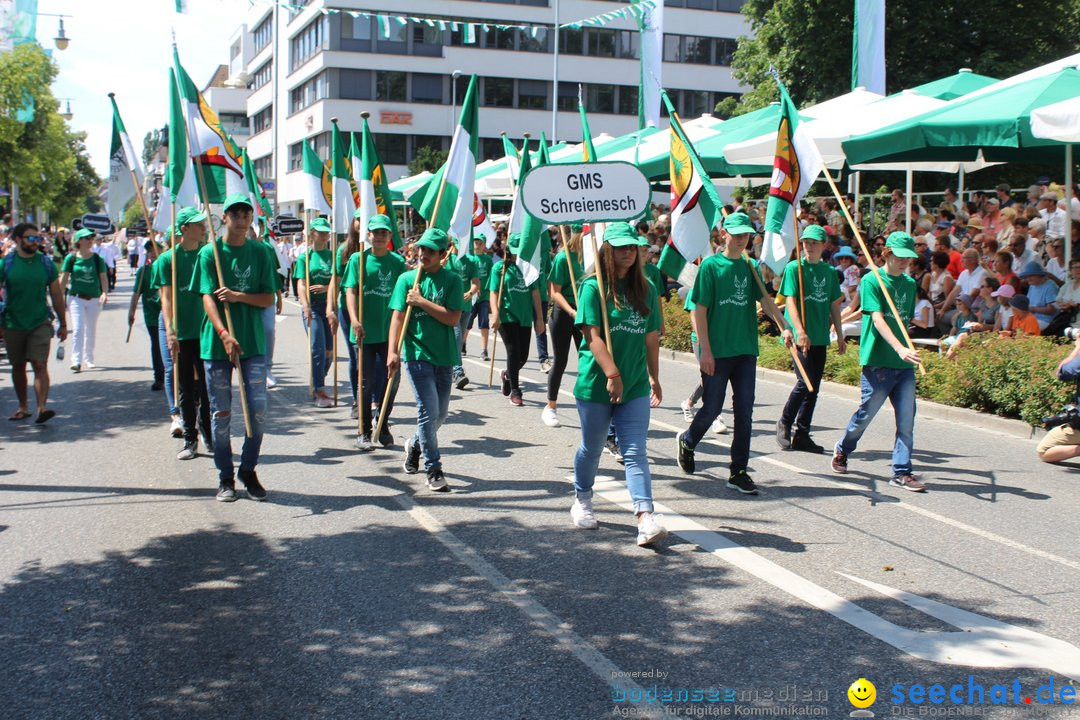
[{"x": 862, "y": 693}]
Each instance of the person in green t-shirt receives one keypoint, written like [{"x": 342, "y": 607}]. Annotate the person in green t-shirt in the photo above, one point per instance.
[
  {"x": 248, "y": 285},
  {"x": 567, "y": 274},
  {"x": 27, "y": 277},
  {"x": 724, "y": 296},
  {"x": 617, "y": 382},
  {"x": 180, "y": 331},
  {"x": 888, "y": 365},
  {"x": 343, "y": 320},
  {"x": 466, "y": 269},
  {"x": 84, "y": 276},
  {"x": 481, "y": 307},
  {"x": 516, "y": 318},
  {"x": 428, "y": 347},
  {"x": 151, "y": 305},
  {"x": 380, "y": 272},
  {"x": 314, "y": 268},
  {"x": 821, "y": 298}
]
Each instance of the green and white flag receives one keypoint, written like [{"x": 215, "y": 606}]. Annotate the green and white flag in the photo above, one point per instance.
[
  {"x": 517, "y": 209},
  {"x": 513, "y": 159},
  {"x": 341, "y": 193},
  {"x": 650, "y": 85},
  {"x": 448, "y": 204},
  {"x": 317, "y": 183},
  {"x": 588, "y": 152},
  {"x": 695, "y": 206},
  {"x": 180, "y": 172},
  {"x": 795, "y": 168},
  {"x": 255, "y": 193},
  {"x": 868, "y": 46},
  {"x": 181, "y": 6},
  {"x": 371, "y": 185},
  {"x": 535, "y": 241},
  {"x": 122, "y": 163}
]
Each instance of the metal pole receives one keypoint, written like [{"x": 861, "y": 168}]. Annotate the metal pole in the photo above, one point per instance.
[
  {"x": 960, "y": 188},
  {"x": 1068, "y": 202},
  {"x": 555, "y": 81},
  {"x": 907, "y": 206}
]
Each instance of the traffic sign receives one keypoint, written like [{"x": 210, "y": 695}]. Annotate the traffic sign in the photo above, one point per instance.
[
  {"x": 288, "y": 225},
  {"x": 585, "y": 192},
  {"x": 98, "y": 223}
]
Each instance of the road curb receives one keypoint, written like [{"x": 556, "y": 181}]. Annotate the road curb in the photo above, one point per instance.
[{"x": 927, "y": 409}]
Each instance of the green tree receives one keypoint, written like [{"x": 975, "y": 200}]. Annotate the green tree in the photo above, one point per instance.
[
  {"x": 152, "y": 141},
  {"x": 809, "y": 42},
  {"x": 427, "y": 158}
]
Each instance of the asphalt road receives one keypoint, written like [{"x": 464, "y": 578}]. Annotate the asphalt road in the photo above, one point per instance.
[{"x": 127, "y": 591}]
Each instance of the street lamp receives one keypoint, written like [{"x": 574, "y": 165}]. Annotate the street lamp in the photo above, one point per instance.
[
  {"x": 453, "y": 101},
  {"x": 61, "y": 40},
  {"x": 67, "y": 111}
]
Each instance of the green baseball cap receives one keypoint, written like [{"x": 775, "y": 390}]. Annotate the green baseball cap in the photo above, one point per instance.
[
  {"x": 84, "y": 233},
  {"x": 189, "y": 215},
  {"x": 434, "y": 239},
  {"x": 815, "y": 233},
  {"x": 237, "y": 199},
  {"x": 738, "y": 223},
  {"x": 901, "y": 244},
  {"x": 620, "y": 234},
  {"x": 320, "y": 224},
  {"x": 379, "y": 222}
]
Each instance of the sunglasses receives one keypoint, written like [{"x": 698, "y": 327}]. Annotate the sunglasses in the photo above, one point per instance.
[{"x": 33, "y": 238}]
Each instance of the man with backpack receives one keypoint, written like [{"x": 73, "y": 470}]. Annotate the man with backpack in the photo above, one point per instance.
[{"x": 28, "y": 276}]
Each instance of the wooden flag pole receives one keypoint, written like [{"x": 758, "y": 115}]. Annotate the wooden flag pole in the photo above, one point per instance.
[
  {"x": 228, "y": 307},
  {"x": 791, "y": 349},
  {"x": 307, "y": 298},
  {"x": 799, "y": 266},
  {"x": 332, "y": 294},
  {"x": 569, "y": 260},
  {"x": 870, "y": 261},
  {"x": 498, "y": 308},
  {"x": 360, "y": 340},
  {"x": 603, "y": 295}
]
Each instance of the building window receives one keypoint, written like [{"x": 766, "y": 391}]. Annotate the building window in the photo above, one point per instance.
[
  {"x": 600, "y": 98},
  {"x": 426, "y": 40},
  {"x": 498, "y": 92},
  {"x": 628, "y": 100},
  {"x": 671, "y": 48},
  {"x": 571, "y": 41},
  {"x": 263, "y": 75},
  {"x": 492, "y": 149},
  {"x": 309, "y": 93},
  {"x": 390, "y": 85},
  {"x": 263, "y": 33},
  {"x": 533, "y": 94},
  {"x": 262, "y": 120},
  {"x": 435, "y": 142},
  {"x": 697, "y": 102},
  {"x": 498, "y": 39},
  {"x": 354, "y": 84},
  {"x": 725, "y": 50},
  {"x": 308, "y": 42},
  {"x": 528, "y": 43},
  {"x": 397, "y": 43},
  {"x": 601, "y": 43},
  {"x": 391, "y": 148},
  {"x": 264, "y": 168},
  {"x": 355, "y": 28},
  {"x": 698, "y": 50},
  {"x": 568, "y": 99},
  {"x": 296, "y": 156},
  {"x": 628, "y": 44},
  {"x": 427, "y": 88}
]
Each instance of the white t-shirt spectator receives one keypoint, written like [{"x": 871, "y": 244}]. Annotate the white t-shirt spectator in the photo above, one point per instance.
[
  {"x": 1054, "y": 268},
  {"x": 971, "y": 280},
  {"x": 1055, "y": 222},
  {"x": 1019, "y": 261}
]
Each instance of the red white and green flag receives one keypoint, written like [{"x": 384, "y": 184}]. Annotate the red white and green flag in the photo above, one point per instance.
[
  {"x": 795, "y": 168},
  {"x": 255, "y": 193},
  {"x": 695, "y": 205},
  {"x": 341, "y": 196},
  {"x": 317, "y": 182},
  {"x": 374, "y": 191}
]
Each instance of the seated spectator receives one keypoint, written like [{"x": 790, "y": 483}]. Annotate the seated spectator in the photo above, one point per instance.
[
  {"x": 1003, "y": 295},
  {"x": 967, "y": 284},
  {"x": 1063, "y": 442},
  {"x": 1068, "y": 297},
  {"x": 1054, "y": 215},
  {"x": 1040, "y": 292},
  {"x": 1003, "y": 268},
  {"x": 992, "y": 215},
  {"x": 1055, "y": 267},
  {"x": 1008, "y": 226},
  {"x": 845, "y": 262},
  {"x": 922, "y": 318},
  {"x": 962, "y": 320},
  {"x": 939, "y": 283},
  {"x": 1021, "y": 255},
  {"x": 1023, "y": 321},
  {"x": 955, "y": 266}
]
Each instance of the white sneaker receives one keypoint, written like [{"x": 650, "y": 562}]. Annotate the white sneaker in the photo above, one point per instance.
[
  {"x": 545, "y": 365},
  {"x": 550, "y": 417},
  {"x": 719, "y": 427},
  {"x": 687, "y": 411},
  {"x": 271, "y": 381},
  {"x": 177, "y": 428},
  {"x": 322, "y": 400},
  {"x": 581, "y": 513},
  {"x": 649, "y": 529}
]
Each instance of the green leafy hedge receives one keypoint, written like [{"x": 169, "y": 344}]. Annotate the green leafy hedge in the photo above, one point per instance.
[{"x": 1008, "y": 377}]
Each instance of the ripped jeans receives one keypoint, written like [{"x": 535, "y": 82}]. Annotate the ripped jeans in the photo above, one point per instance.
[{"x": 219, "y": 387}]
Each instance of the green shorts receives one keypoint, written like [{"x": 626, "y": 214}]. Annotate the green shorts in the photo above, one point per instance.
[{"x": 32, "y": 345}]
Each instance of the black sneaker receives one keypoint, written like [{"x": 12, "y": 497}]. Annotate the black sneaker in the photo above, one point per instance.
[
  {"x": 254, "y": 488},
  {"x": 412, "y": 459},
  {"x": 804, "y": 443},
  {"x": 191, "y": 449},
  {"x": 783, "y": 434},
  {"x": 611, "y": 447},
  {"x": 484, "y": 355},
  {"x": 741, "y": 481},
  {"x": 363, "y": 443},
  {"x": 386, "y": 439},
  {"x": 505, "y": 383},
  {"x": 354, "y": 413},
  {"x": 839, "y": 462},
  {"x": 157, "y": 387},
  {"x": 226, "y": 490},
  {"x": 437, "y": 481},
  {"x": 462, "y": 382},
  {"x": 684, "y": 454}
]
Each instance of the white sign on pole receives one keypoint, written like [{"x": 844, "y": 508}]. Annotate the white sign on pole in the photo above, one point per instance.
[{"x": 564, "y": 194}]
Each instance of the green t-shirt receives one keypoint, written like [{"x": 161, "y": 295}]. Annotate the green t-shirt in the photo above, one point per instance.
[
  {"x": 560, "y": 274},
  {"x": 689, "y": 306},
  {"x": 27, "y": 287},
  {"x": 151, "y": 298},
  {"x": 728, "y": 290},
  {"x": 339, "y": 270},
  {"x": 320, "y": 270},
  {"x": 820, "y": 290},
  {"x": 873, "y": 350},
  {"x": 426, "y": 338},
  {"x": 189, "y": 307},
  {"x": 465, "y": 268},
  {"x": 652, "y": 274},
  {"x": 483, "y": 271},
  {"x": 628, "y": 331},
  {"x": 85, "y": 274},
  {"x": 245, "y": 268},
  {"x": 380, "y": 276},
  {"x": 517, "y": 304},
  {"x": 545, "y": 271}
]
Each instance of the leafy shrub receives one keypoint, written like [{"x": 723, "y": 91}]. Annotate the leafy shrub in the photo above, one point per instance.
[{"x": 676, "y": 325}]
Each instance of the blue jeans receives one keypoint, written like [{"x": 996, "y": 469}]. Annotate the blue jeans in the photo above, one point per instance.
[
  {"x": 155, "y": 354},
  {"x": 219, "y": 387},
  {"x": 879, "y": 384},
  {"x": 431, "y": 386},
  {"x": 541, "y": 338},
  {"x": 269, "y": 318},
  {"x": 741, "y": 372},
  {"x": 166, "y": 360},
  {"x": 346, "y": 327},
  {"x": 461, "y": 331},
  {"x": 373, "y": 386},
  {"x": 318, "y": 336},
  {"x": 631, "y": 420}
]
